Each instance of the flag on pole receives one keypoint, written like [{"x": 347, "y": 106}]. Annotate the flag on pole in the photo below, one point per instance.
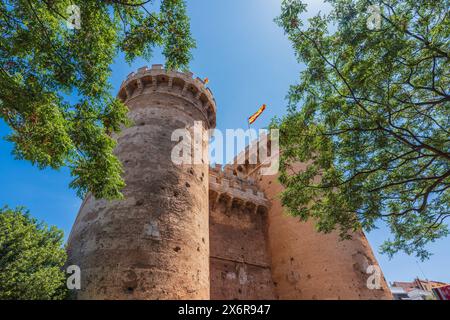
[
  {"x": 206, "y": 81},
  {"x": 256, "y": 114}
]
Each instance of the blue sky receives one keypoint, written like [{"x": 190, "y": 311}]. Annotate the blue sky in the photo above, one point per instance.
[{"x": 249, "y": 62}]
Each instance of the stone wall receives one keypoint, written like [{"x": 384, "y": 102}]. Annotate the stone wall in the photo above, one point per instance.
[
  {"x": 306, "y": 264},
  {"x": 154, "y": 244},
  {"x": 311, "y": 265},
  {"x": 195, "y": 232}
]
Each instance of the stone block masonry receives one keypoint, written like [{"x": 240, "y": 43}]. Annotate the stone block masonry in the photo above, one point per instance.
[{"x": 154, "y": 244}]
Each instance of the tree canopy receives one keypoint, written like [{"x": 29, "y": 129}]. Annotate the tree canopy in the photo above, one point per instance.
[
  {"x": 54, "y": 87},
  {"x": 370, "y": 115},
  {"x": 31, "y": 258}
]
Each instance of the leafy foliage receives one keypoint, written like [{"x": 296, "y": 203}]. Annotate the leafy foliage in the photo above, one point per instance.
[
  {"x": 54, "y": 90},
  {"x": 373, "y": 122},
  {"x": 31, "y": 258}
]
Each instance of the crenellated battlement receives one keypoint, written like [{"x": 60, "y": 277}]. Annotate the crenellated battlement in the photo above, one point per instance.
[
  {"x": 179, "y": 84},
  {"x": 228, "y": 183}
]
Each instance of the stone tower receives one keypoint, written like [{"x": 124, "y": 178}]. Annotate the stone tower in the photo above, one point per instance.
[
  {"x": 154, "y": 244},
  {"x": 240, "y": 265},
  {"x": 304, "y": 264},
  {"x": 196, "y": 232}
]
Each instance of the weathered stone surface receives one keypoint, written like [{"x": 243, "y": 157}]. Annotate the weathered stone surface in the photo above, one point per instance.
[
  {"x": 306, "y": 264},
  {"x": 311, "y": 265},
  {"x": 240, "y": 264},
  {"x": 155, "y": 243}
]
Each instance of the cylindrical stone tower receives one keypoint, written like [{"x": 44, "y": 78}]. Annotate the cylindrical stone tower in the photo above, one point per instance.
[{"x": 154, "y": 244}]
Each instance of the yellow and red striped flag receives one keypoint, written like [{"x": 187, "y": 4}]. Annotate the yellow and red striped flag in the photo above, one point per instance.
[
  {"x": 206, "y": 81},
  {"x": 256, "y": 114}
]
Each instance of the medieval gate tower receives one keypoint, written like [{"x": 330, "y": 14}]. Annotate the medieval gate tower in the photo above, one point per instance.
[{"x": 195, "y": 232}]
